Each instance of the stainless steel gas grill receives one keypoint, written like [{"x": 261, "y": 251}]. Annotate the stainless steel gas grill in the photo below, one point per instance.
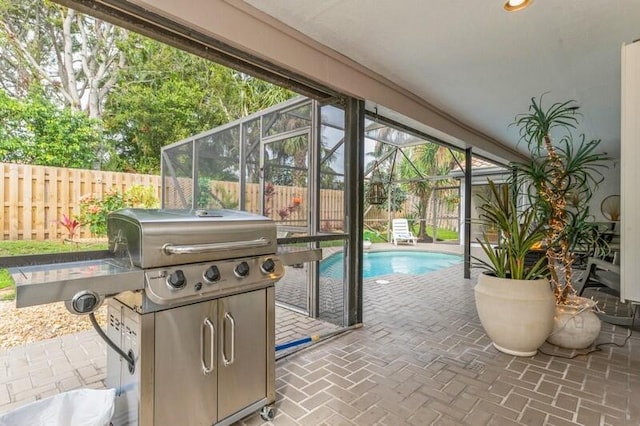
[
  {"x": 191, "y": 312},
  {"x": 202, "y": 331}
]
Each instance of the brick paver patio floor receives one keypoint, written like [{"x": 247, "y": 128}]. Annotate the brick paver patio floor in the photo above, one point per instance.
[{"x": 421, "y": 358}]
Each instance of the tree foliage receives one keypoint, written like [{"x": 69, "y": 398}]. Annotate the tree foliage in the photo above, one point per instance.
[
  {"x": 74, "y": 57},
  {"x": 36, "y": 131},
  {"x": 143, "y": 94},
  {"x": 166, "y": 95}
]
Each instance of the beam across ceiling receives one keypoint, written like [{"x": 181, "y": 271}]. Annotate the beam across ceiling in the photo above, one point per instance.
[{"x": 153, "y": 25}]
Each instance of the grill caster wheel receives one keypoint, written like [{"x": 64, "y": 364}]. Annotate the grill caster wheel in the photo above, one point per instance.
[{"x": 268, "y": 412}]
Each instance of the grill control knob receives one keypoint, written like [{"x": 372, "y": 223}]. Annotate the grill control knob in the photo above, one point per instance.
[
  {"x": 84, "y": 302},
  {"x": 268, "y": 266},
  {"x": 242, "y": 270},
  {"x": 177, "y": 279},
  {"x": 212, "y": 274}
]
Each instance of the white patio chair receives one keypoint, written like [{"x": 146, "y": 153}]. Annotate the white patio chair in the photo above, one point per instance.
[{"x": 400, "y": 232}]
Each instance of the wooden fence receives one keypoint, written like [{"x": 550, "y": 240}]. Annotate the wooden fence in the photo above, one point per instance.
[
  {"x": 445, "y": 215},
  {"x": 281, "y": 206},
  {"x": 288, "y": 205},
  {"x": 35, "y": 197}
]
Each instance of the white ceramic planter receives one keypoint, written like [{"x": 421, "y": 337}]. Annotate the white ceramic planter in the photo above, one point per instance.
[
  {"x": 518, "y": 315},
  {"x": 576, "y": 326}
]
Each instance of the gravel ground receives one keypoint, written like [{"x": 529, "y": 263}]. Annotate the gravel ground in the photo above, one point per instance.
[{"x": 26, "y": 325}]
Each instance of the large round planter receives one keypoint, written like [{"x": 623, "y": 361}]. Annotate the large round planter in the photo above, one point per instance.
[
  {"x": 576, "y": 326},
  {"x": 516, "y": 314}
]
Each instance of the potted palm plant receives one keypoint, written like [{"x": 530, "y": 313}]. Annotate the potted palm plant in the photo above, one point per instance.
[
  {"x": 559, "y": 181},
  {"x": 513, "y": 297}
]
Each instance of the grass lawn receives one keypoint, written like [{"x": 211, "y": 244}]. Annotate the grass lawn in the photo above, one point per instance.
[
  {"x": 6, "y": 282},
  {"x": 382, "y": 237},
  {"x": 24, "y": 247},
  {"x": 443, "y": 234}
]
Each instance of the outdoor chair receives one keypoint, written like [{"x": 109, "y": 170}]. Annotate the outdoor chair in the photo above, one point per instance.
[
  {"x": 600, "y": 273},
  {"x": 400, "y": 232},
  {"x": 606, "y": 277}
]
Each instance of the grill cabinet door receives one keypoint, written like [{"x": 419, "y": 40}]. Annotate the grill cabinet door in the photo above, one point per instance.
[
  {"x": 242, "y": 357},
  {"x": 185, "y": 345}
]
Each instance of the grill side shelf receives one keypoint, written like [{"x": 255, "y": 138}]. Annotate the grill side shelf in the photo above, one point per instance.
[
  {"x": 294, "y": 257},
  {"x": 51, "y": 258},
  {"x": 42, "y": 284}
]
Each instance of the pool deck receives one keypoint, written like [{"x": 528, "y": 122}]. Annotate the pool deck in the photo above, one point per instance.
[{"x": 421, "y": 358}]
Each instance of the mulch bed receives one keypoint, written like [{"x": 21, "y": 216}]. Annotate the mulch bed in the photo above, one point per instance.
[{"x": 27, "y": 325}]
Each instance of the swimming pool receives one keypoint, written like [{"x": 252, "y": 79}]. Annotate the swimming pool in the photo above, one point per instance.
[{"x": 379, "y": 263}]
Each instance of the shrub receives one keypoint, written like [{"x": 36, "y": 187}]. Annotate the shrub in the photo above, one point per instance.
[{"x": 94, "y": 210}]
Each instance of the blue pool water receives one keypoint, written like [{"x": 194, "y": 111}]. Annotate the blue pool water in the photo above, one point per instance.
[{"x": 380, "y": 263}]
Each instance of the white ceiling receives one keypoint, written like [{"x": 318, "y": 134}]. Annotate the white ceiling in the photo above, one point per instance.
[{"x": 479, "y": 63}]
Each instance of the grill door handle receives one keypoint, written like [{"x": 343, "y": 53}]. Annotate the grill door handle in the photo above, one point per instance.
[
  {"x": 213, "y": 247},
  {"x": 228, "y": 361},
  {"x": 212, "y": 331}
]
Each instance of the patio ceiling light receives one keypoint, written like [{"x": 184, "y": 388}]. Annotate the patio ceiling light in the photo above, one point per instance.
[{"x": 515, "y": 5}]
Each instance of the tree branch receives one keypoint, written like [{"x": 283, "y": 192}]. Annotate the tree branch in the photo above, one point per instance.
[{"x": 67, "y": 63}]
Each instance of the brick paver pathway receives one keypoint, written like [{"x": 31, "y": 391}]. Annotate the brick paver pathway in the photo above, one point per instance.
[{"x": 421, "y": 358}]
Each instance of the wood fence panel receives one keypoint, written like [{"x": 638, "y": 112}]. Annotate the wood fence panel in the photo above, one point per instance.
[
  {"x": 39, "y": 203},
  {"x": 51, "y": 210},
  {"x": 34, "y": 198},
  {"x": 4, "y": 212},
  {"x": 14, "y": 198},
  {"x": 62, "y": 179},
  {"x": 173, "y": 188},
  {"x": 331, "y": 210},
  {"x": 27, "y": 203},
  {"x": 252, "y": 198}
]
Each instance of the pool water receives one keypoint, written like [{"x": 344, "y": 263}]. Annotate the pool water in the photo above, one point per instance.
[{"x": 380, "y": 263}]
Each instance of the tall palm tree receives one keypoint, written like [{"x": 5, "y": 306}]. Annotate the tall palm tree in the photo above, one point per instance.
[{"x": 421, "y": 163}]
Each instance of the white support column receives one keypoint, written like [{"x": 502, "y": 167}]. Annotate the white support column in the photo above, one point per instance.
[{"x": 630, "y": 173}]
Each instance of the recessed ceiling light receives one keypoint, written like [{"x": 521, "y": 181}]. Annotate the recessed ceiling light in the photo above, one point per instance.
[{"x": 514, "y": 5}]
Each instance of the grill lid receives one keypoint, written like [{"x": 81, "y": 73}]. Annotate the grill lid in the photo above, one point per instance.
[{"x": 163, "y": 237}]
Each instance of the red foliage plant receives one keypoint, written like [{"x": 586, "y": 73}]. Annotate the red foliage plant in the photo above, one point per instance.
[{"x": 71, "y": 225}]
